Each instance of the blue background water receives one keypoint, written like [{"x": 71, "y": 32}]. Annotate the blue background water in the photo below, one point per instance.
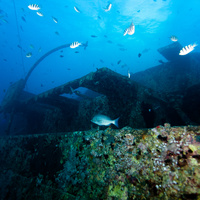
[{"x": 155, "y": 21}]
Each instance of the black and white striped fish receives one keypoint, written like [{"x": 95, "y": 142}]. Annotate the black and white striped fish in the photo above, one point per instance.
[{"x": 130, "y": 30}]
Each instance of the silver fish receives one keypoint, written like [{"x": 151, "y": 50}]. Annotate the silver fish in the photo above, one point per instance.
[{"x": 103, "y": 120}]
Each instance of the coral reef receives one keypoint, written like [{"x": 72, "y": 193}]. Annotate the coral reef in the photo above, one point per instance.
[{"x": 162, "y": 162}]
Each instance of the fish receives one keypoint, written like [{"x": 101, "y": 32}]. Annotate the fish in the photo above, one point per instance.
[
  {"x": 161, "y": 61},
  {"x": 129, "y": 74},
  {"x": 122, "y": 49},
  {"x": 145, "y": 50},
  {"x": 173, "y": 38},
  {"x": 130, "y": 30},
  {"x": 33, "y": 7},
  {"x": 31, "y": 46},
  {"x": 139, "y": 55},
  {"x": 61, "y": 56},
  {"x": 101, "y": 61},
  {"x": 74, "y": 45},
  {"x": 40, "y": 14},
  {"x": 109, "y": 41},
  {"x": 85, "y": 45},
  {"x": 55, "y": 20},
  {"x": 124, "y": 65},
  {"x": 40, "y": 49},
  {"x": 118, "y": 62},
  {"x": 76, "y": 52},
  {"x": 94, "y": 36},
  {"x": 103, "y": 120},
  {"x": 57, "y": 33},
  {"x": 23, "y": 19},
  {"x": 76, "y": 9},
  {"x": 28, "y": 55},
  {"x": 187, "y": 49},
  {"x": 108, "y": 7}
]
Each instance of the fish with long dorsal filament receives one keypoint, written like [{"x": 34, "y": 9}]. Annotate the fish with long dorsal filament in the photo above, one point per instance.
[{"x": 103, "y": 120}]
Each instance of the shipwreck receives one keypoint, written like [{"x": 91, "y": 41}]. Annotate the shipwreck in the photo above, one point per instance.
[{"x": 49, "y": 149}]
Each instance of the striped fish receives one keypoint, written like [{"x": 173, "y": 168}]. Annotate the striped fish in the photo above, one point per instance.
[
  {"x": 130, "y": 30},
  {"x": 187, "y": 49}
]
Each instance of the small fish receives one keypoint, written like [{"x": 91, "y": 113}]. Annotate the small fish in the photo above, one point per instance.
[
  {"x": 21, "y": 28},
  {"x": 145, "y": 50},
  {"x": 139, "y": 55},
  {"x": 109, "y": 41},
  {"x": 28, "y": 55},
  {"x": 99, "y": 17},
  {"x": 173, "y": 38},
  {"x": 5, "y": 60},
  {"x": 57, "y": 33},
  {"x": 76, "y": 9},
  {"x": 118, "y": 62},
  {"x": 33, "y": 7},
  {"x": 31, "y": 46},
  {"x": 129, "y": 74},
  {"x": 68, "y": 69},
  {"x": 4, "y": 20},
  {"x": 160, "y": 61},
  {"x": 74, "y": 45},
  {"x": 4, "y": 90},
  {"x": 130, "y": 30},
  {"x": 23, "y": 19},
  {"x": 85, "y": 45},
  {"x": 187, "y": 49},
  {"x": 108, "y": 7},
  {"x": 101, "y": 61},
  {"x": 61, "y": 56},
  {"x": 41, "y": 85},
  {"x": 19, "y": 46},
  {"x": 40, "y": 14},
  {"x": 94, "y": 36},
  {"x": 122, "y": 49},
  {"x": 123, "y": 65},
  {"x": 55, "y": 20},
  {"x": 76, "y": 52},
  {"x": 103, "y": 120}
]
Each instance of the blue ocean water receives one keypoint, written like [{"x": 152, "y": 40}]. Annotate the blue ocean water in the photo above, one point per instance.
[{"x": 23, "y": 31}]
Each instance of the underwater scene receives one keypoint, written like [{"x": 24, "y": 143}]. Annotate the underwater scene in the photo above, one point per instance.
[{"x": 100, "y": 100}]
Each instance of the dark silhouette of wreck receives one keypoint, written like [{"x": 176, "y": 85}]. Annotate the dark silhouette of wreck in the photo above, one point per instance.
[{"x": 150, "y": 98}]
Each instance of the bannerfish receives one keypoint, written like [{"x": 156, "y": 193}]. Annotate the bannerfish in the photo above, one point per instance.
[
  {"x": 173, "y": 38},
  {"x": 108, "y": 7},
  {"x": 40, "y": 14},
  {"x": 28, "y": 55},
  {"x": 103, "y": 120},
  {"x": 76, "y": 9},
  {"x": 33, "y": 7},
  {"x": 187, "y": 49},
  {"x": 130, "y": 30},
  {"x": 74, "y": 45}
]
